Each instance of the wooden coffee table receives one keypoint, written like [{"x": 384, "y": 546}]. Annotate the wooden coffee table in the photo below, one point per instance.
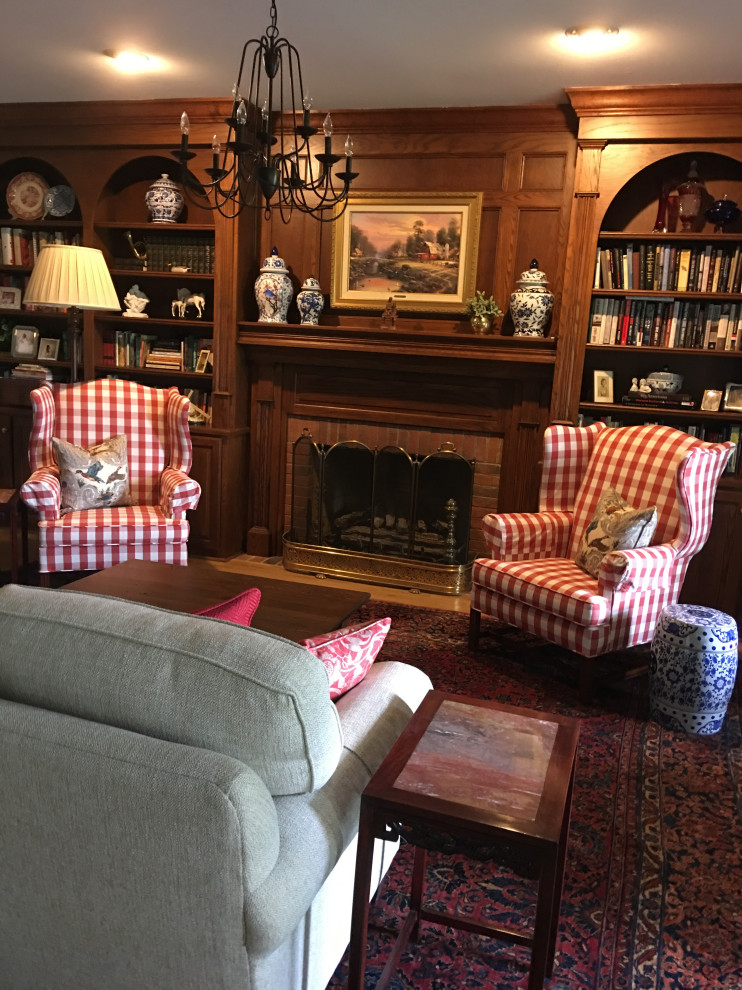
[
  {"x": 290, "y": 609},
  {"x": 475, "y": 777}
]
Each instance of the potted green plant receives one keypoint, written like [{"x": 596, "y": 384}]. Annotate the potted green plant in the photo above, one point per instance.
[{"x": 482, "y": 310}]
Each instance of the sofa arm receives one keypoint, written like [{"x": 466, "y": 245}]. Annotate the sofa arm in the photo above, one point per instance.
[
  {"x": 527, "y": 535},
  {"x": 43, "y": 492},
  {"x": 637, "y": 570},
  {"x": 178, "y": 492}
]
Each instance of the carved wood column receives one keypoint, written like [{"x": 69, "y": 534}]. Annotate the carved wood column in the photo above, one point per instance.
[
  {"x": 578, "y": 280},
  {"x": 267, "y": 459}
]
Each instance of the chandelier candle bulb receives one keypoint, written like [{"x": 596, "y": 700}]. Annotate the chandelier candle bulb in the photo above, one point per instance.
[{"x": 185, "y": 126}]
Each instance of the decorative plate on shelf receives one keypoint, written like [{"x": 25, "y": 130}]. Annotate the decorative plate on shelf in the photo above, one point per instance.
[
  {"x": 25, "y": 196},
  {"x": 59, "y": 201}
]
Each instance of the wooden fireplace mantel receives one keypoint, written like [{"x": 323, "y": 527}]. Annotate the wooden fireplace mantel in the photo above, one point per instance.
[
  {"x": 434, "y": 377},
  {"x": 450, "y": 340}
]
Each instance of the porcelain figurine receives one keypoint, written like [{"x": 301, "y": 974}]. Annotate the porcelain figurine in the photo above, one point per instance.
[
  {"x": 310, "y": 301},
  {"x": 273, "y": 290},
  {"x": 186, "y": 298},
  {"x": 135, "y": 300},
  {"x": 531, "y": 303},
  {"x": 164, "y": 200}
]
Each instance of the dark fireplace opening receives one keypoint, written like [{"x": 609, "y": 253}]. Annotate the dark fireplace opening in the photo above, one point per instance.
[{"x": 384, "y": 501}]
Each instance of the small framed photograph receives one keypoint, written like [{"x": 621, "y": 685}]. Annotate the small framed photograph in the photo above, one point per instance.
[
  {"x": 733, "y": 397},
  {"x": 48, "y": 349},
  {"x": 602, "y": 386},
  {"x": 204, "y": 359},
  {"x": 10, "y": 298},
  {"x": 711, "y": 400},
  {"x": 24, "y": 342}
]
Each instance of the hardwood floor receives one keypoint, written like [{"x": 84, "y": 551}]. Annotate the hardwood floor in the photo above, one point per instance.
[{"x": 246, "y": 564}]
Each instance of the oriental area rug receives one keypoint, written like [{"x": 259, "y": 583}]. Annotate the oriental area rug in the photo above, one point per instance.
[{"x": 653, "y": 882}]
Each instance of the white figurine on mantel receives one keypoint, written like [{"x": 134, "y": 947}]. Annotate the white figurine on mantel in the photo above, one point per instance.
[
  {"x": 135, "y": 300},
  {"x": 643, "y": 387},
  {"x": 634, "y": 385}
]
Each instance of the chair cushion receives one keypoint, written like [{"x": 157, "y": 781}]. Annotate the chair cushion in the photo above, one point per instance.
[
  {"x": 554, "y": 585},
  {"x": 182, "y": 678},
  {"x": 615, "y": 526},
  {"x": 95, "y": 477},
  {"x": 348, "y": 653},
  {"x": 239, "y": 609}
]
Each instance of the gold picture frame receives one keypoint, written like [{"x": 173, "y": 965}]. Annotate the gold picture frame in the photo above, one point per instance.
[{"x": 420, "y": 249}]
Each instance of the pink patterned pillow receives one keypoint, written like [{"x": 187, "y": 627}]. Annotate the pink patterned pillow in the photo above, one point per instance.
[
  {"x": 239, "y": 609},
  {"x": 348, "y": 653}
]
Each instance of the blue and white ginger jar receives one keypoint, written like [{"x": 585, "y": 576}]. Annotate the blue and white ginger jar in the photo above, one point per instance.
[
  {"x": 531, "y": 304},
  {"x": 164, "y": 200},
  {"x": 693, "y": 666},
  {"x": 273, "y": 290},
  {"x": 310, "y": 301}
]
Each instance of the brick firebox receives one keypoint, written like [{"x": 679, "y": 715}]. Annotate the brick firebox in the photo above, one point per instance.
[{"x": 485, "y": 450}]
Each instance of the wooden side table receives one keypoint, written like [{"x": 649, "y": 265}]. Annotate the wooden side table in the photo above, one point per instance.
[
  {"x": 479, "y": 778},
  {"x": 11, "y": 507}
]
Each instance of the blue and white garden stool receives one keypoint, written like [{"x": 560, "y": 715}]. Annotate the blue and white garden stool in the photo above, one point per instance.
[{"x": 692, "y": 668}]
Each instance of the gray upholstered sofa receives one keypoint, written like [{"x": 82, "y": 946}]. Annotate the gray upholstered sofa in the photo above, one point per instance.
[{"x": 178, "y": 798}]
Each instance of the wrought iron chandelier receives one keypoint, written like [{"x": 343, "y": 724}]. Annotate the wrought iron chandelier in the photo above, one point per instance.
[{"x": 257, "y": 167}]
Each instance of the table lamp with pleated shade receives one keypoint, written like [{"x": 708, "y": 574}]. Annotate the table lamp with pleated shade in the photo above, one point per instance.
[{"x": 74, "y": 278}]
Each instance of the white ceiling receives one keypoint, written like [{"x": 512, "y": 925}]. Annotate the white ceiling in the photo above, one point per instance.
[{"x": 365, "y": 53}]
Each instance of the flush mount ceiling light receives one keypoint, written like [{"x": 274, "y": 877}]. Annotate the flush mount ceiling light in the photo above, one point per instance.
[
  {"x": 593, "y": 40},
  {"x": 130, "y": 61}
]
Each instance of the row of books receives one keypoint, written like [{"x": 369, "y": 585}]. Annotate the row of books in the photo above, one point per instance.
[
  {"x": 21, "y": 246},
  {"x": 711, "y": 434},
  {"x": 669, "y": 267},
  {"x": 162, "y": 252},
  {"x": 128, "y": 349},
  {"x": 646, "y": 321}
]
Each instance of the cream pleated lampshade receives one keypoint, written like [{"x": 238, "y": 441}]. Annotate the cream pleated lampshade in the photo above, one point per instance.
[{"x": 68, "y": 275}]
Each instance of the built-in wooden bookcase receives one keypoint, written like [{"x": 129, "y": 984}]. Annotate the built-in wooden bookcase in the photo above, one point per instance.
[
  {"x": 21, "y": 240},
  {"x": 631, "y": 143}
]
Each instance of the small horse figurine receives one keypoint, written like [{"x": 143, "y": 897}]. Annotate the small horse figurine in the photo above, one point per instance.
[{"x": 185, "y": 299}]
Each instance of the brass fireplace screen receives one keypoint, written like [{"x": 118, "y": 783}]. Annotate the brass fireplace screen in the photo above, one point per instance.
[{"x": 357, "y": 500}]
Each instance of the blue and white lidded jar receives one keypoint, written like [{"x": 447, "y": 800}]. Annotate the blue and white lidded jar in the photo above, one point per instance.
[
  {"x": 531, "y": 304},
  {"x": 310, "y": 301},
  {"x": 273, "y": 290},
  {"x": 164, "y": 200}
]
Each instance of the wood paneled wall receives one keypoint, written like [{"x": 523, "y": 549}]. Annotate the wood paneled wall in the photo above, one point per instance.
[{"x": 520, "y": 158}]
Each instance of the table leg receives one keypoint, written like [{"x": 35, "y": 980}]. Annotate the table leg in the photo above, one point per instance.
[
  {"x": 559, "y": 880},
  {"x": 416, "y": 891},
  {"x": 545, "y": 910},
  {"x": 361, "y": 893}
]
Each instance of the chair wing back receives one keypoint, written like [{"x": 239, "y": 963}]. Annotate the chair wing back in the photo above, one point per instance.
[
  {"x": 154, "y": 420},
  {"x": 644, "y": 464},
  {"x": 567, "y": 452}
]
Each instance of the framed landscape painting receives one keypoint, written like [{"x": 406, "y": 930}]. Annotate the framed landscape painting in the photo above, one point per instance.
[{"x": 418, "y": 248}]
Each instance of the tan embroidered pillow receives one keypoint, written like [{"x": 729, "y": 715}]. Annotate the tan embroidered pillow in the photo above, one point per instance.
[
  {"x": 96, "y": 477},
  {"x": 615, "y": 526}
]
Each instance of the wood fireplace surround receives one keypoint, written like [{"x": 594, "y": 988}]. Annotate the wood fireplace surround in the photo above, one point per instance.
[{"x": 417, "y": 386}]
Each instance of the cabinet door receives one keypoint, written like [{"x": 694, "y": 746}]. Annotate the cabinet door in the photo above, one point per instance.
[
  {"x": 715, "y": 574},
  {"x": 206, "y": 469}
]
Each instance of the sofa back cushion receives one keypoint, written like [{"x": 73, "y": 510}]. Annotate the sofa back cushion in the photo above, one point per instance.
[{"x": 183, "y": 678}]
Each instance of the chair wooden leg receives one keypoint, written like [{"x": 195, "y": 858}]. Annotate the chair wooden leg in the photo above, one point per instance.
[
  {"x": 44, "y": 579},
  {"x": 474, "y": 619}
]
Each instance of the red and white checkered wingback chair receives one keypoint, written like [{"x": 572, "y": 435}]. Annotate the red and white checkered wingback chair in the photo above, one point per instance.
[
  {"x": 532, "y": 580},
  {"x": 154, "y": 527}
]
